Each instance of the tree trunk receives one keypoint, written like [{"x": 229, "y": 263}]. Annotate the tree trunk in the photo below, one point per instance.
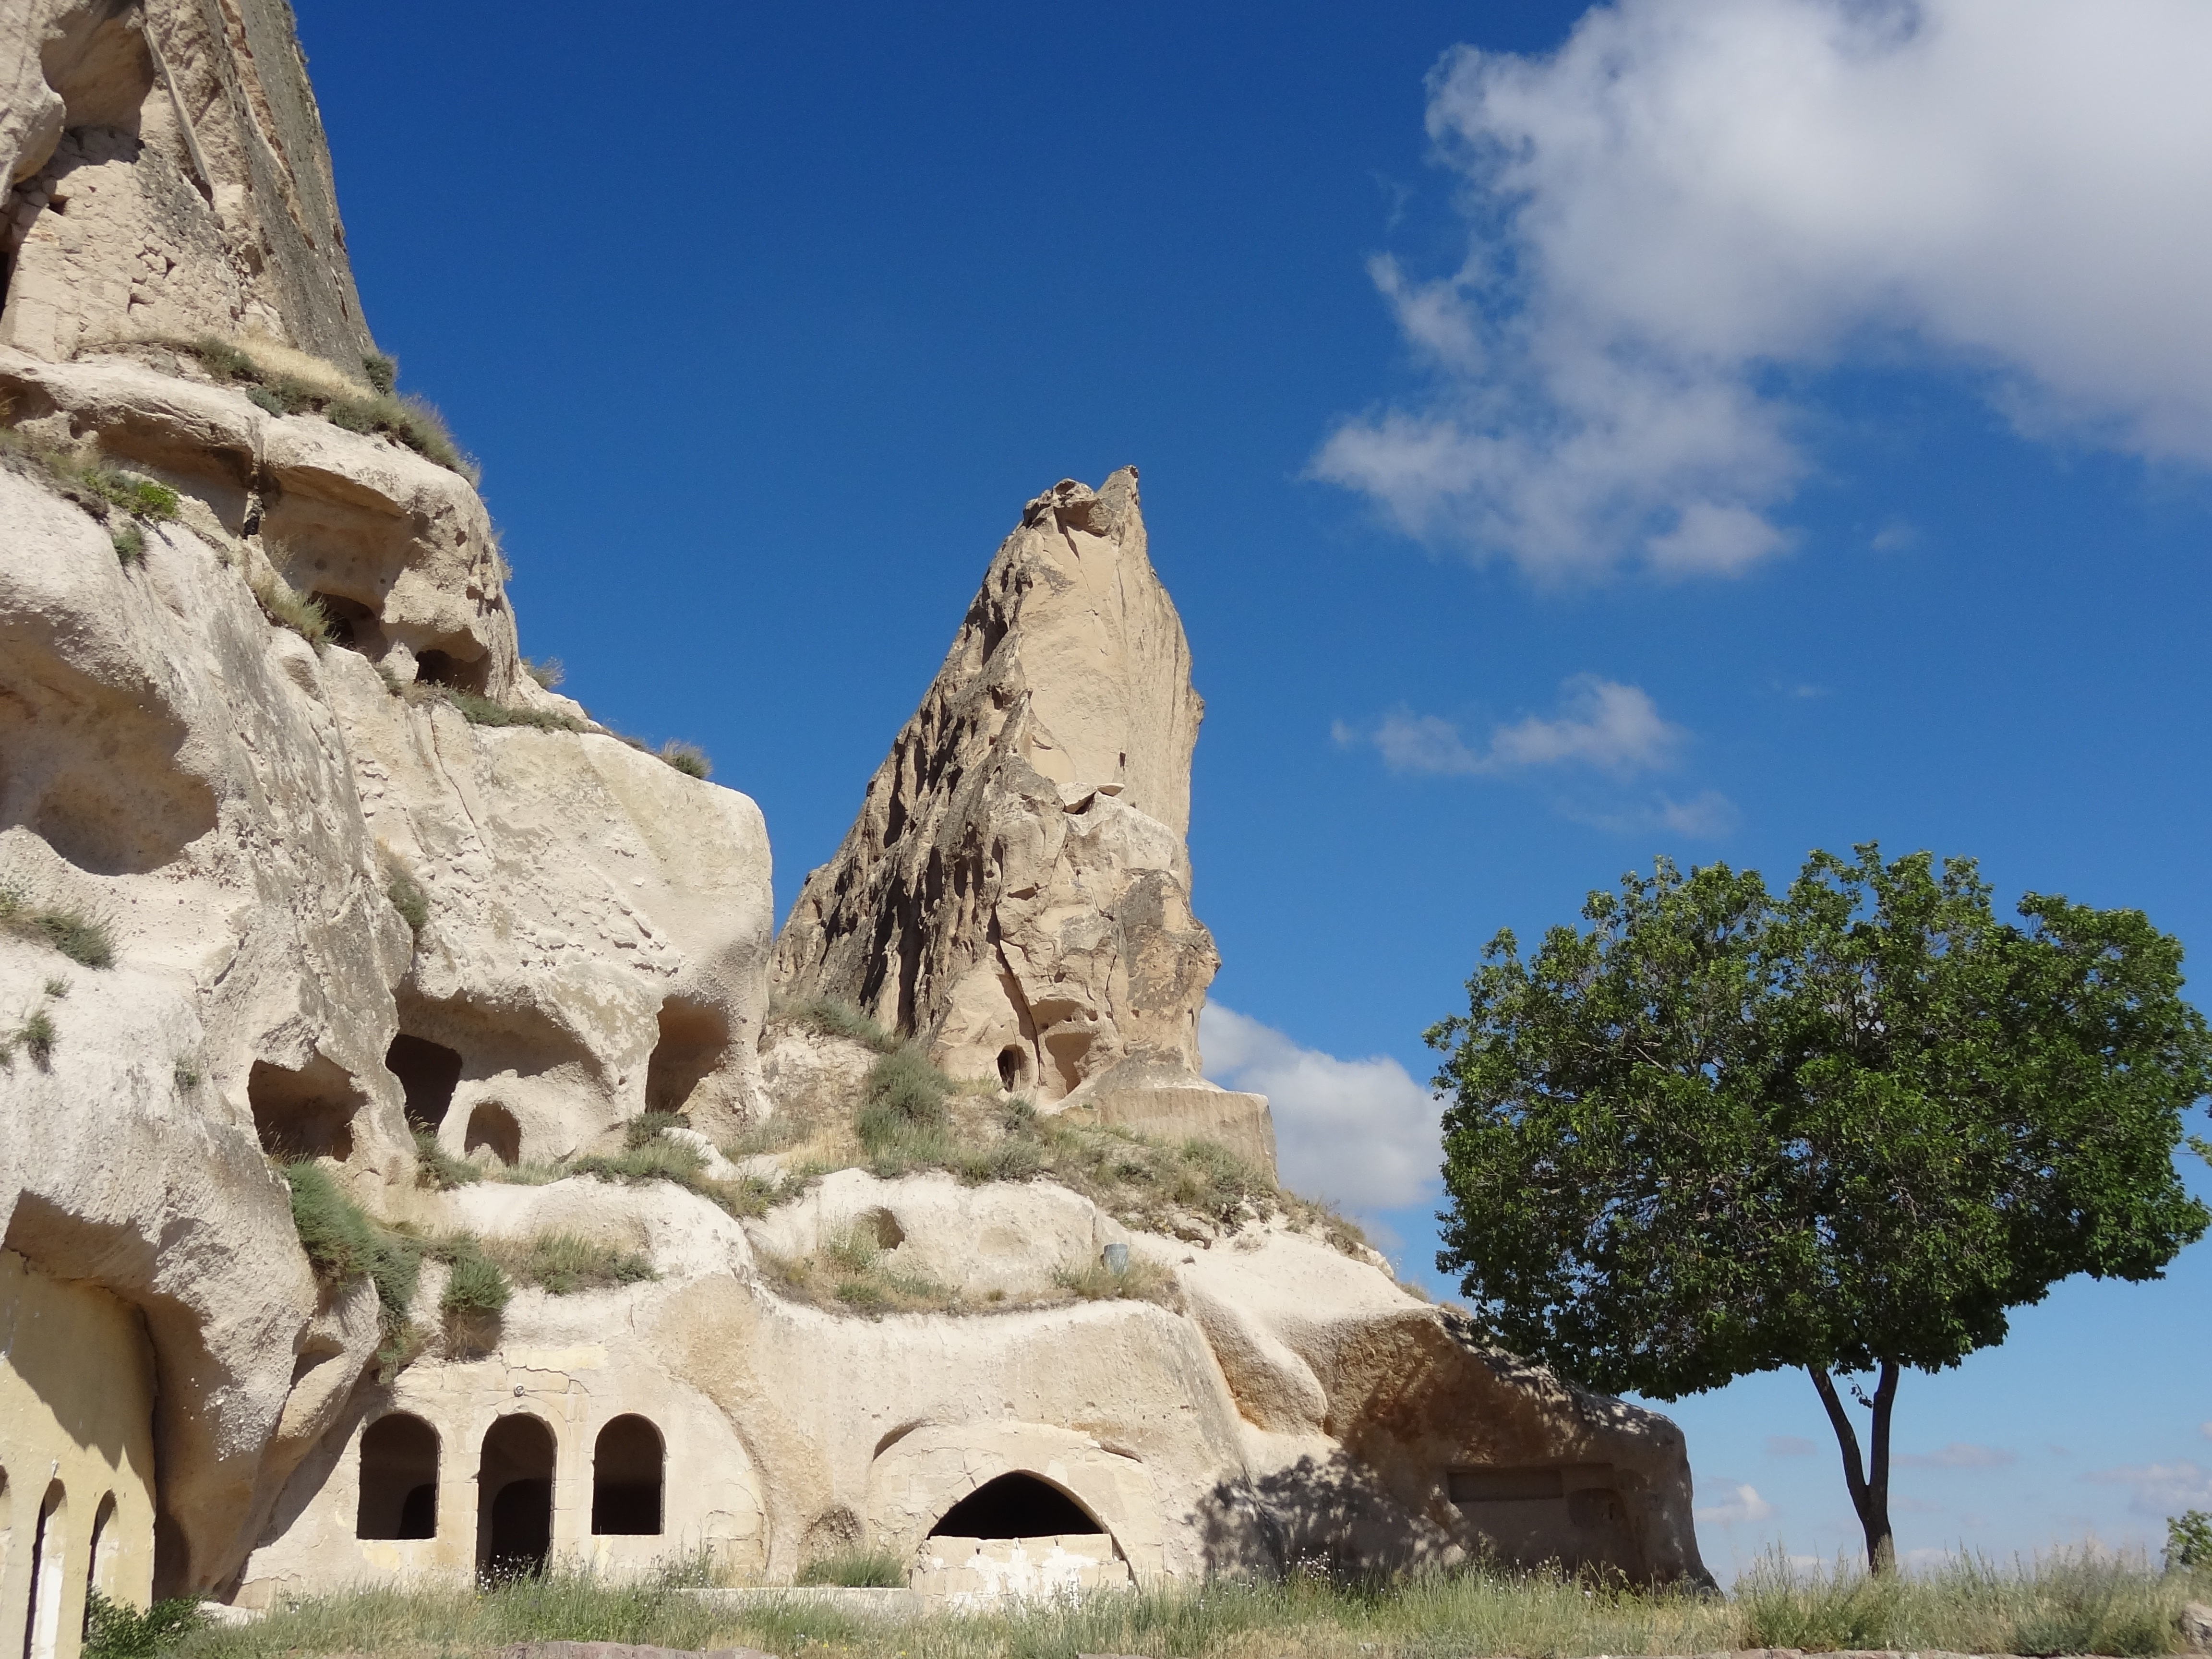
[{"x": 1869, "y": 1485}]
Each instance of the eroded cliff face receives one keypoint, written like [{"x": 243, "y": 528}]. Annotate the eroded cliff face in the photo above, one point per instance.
[
  {"x": 167, "y": 173},
  {"x": 381, "y": 905},
  {"x": 1016, "y": 890}
]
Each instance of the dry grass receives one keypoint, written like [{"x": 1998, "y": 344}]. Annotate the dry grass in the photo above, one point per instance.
[
  {"x": 102, "y": 491},
  {"x": 2061, "y": 1604},
  {"x": 286, "y": 607},
  {"x": 84, "y": 939}
]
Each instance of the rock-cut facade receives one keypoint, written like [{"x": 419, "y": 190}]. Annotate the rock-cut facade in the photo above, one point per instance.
[{"x": 376, "y": 926}]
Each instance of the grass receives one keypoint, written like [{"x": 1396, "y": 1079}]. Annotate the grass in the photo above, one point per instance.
[
  {"x": 282, "y": 384},
  {"x": 548, "y": 671},
  {"x": 563, "y": 1264},
  {"x": 36, "y": 1036},
  {"x": 483, "y": 711},
  {"x": 2073, "y": 1604},
  {"x": 856, "y": 1569},
  {"x": 116, "y": 1630},
  {"x": 342, "y": 1244},
  {"x": 439, "y": 1169},
  {"x": 652, "y": 1156},
  {"x": 83, "y": 938},
  {"x": 288, "y": 608},
  {"x": 407, "y": 898},
  {"x": 689, "y": 758},
  {"x": 130, "y": 546},
  {"x": 101, "y": 489},
  {"x": 832, "y": 1017},
  {"x": 1140, "y": 1281}
]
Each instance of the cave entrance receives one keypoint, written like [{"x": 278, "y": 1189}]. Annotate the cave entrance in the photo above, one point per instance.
[
  {"x": 428, "y": 1071},
  {"x": 1013, "y": 1067},
  {"x": 514, "y": 1498},
  {"x": 627, "y": 1472},
  {"x": 694, "y": 1037},
  {"x": 352, "y": 624},
  {"x": 1016, "y": 1506},
  {"x": 493, "y": 1127},
  {"x": 399, "y": 1480},
  {"x": 303, "y": 1114},
  {"x": 436, "y": 667}
]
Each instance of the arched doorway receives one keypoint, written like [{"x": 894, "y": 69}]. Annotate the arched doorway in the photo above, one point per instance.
[
  {"x": 399, "y": 1480},
  {"x": 100, "y": 1560},
  {"x": 627, "y": 1470},
  {"x": 514, "y": 1498},
  {"x": 42, "y": 1614},
  {"x": 1015, "y": 1505}
]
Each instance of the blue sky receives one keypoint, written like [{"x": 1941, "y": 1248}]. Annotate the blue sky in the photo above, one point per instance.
[{"x": 1714, "y": 427}]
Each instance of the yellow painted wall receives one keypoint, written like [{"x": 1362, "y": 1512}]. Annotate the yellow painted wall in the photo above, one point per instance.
[{"x": 76, "y": 1421}]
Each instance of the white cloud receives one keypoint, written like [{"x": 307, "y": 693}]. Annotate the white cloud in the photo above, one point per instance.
[
  {"x": 1360, "y": 1132},
  {"x": 1692, "y": 195},
  {"x": 1602, "y": 724},
  {"x": 2160, "y": 1488},
  {"x": 1960, "y": 1455},
  {"x": 1742, "y": 1504},
  {"x": 1708, "y": 816}
]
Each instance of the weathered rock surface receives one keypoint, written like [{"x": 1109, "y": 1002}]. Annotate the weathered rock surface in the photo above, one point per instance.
[
  {"x": 1016, "y": 890},
  {"x": 167, "y": 175}
]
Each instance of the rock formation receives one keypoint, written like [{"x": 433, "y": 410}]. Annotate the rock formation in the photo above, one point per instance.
[
  {"x": 1016, "y": 891},
  {"x": 368, "y": 943}
]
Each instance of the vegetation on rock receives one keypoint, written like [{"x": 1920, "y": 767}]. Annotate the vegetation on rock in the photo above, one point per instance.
[
  {"x": 283, "y": 391},
  {"x": 288, "y": 608},
  {"x": 83, "y": 938},
  {"x": 1845, "y": 1130}
]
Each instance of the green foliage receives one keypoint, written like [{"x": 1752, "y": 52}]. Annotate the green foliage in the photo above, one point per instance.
[
  {"x": 383, "y": 371},
  {"x": 37, "y": 1037},
  {"x": 286, "y": 608},
  {"x": 438, "y": 1168},
  {"x": 100, "y": 490},
  {"x": 409, "y": 420},
  {"x": 834, "y": 1018},
  {"x": 689, "y": 758},
  {"x": 130, "y": 546},
  {"x": 477, "y": 1288},
  {"x": 563, "y": 1264},
  {"x": 343, "y": 1244},
  {"x": 856, "y": 1569},
  {"x": 84, "y": 940},
  {"x": 407, "y": 898},
  {"x": 2188, "y": 1542},
  {"x": 116, "y": 1630},
  {"x": 648, "y": 1126},
  {"x": 187, "y": 1076},
  {"x": 1474, "y": 1613},
  {"x": 483, "y": 711},
  {"x": 1847, "y": 1130},
  {"x": 656, "y": 1158},
  {"x": 902, "y": 1110}
]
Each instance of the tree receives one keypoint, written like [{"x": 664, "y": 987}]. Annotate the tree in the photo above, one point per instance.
[{"x": 1847, "y": 1130}]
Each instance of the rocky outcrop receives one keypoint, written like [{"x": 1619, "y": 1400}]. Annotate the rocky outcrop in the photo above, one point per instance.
[
  {"x": 167, "y": 175},
  {"x": 1016, "y": 891}
]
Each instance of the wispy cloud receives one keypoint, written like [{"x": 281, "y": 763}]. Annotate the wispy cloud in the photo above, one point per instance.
[
  {"x": 1789, "y": 1445},
  {"x": 1959, "y": 1455},
  {"x": 1602, "y": 724},
  {"x": 1742, "y": 1504},
  {"x": 2159, "y": 1489},
  {"x": 1690, "y": 195},
  {"x": 1361, "y": 1132}
]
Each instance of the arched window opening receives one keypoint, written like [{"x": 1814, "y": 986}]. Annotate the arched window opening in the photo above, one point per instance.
[
  {"x": 1015, "y": 1505},
  {"x": 42, "y": 1614},
  {"x": 428, "y": 1071},
  {"x": 399, "y": 1480},
  {"x": 493, "y": 1127},
  {"x": 304, "y": 1114},
  {"x": 627, "y": 1472},
  {"x": 1013, "y": 1067},
  {"x": 514, "y": 1498},
  {"x": 100, "y": 1560},
  {"x": 694, "y": 1037}
]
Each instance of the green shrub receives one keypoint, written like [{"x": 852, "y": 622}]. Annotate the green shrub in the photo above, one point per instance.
[
  {"x": 835, "y": 1018},
  {"x": 38, "y": 1037},
  {"x": 130, "y": 546},
  {"x": 903, "y": 1090},
  {"x": 407, "y": 896},
  {"x": 116, "y": 1630},
  {"x": 2188, "y": 1542},
  {"x": 474, "y": 1289},
  {"x": 483, "y": 711},
  {"x": 408, "y": 419},
  {"x": 563, "y": 1264},
  {"x": 83, "y": 939},
  {"x": 436, "y": 1167},
  {"x": 649, "y": 1127},
  {"x": 383, "y": 371},
  {"x": 335, "y": 1233},
  {"x": 188, "y": 1077},
  {"x": 292, "y": 610},
  {"x": 856, "y": 1569},
  {"x": 689, "y": 758}
]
